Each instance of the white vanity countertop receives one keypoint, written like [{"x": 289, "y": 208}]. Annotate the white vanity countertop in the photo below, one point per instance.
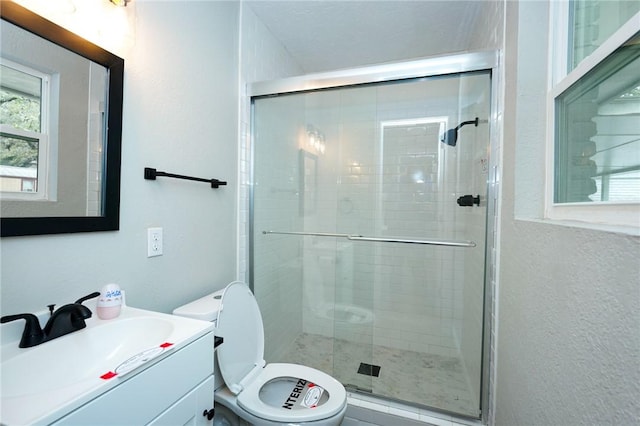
[{"x": 45, "y": 382}]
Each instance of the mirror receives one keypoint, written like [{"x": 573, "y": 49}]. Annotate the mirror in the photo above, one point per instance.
[{"x": 59, "y": 171}]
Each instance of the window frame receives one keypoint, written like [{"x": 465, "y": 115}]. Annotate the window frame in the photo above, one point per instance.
[
  {"x": 46, "y": 140},
  {"x": 614, "y": 213}
]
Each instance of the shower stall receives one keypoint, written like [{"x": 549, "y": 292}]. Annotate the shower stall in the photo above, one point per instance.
[{"x": 371, "y": 215}]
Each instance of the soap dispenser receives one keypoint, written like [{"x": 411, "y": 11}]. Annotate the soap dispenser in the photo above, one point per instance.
[{"x": 109, "y": 302}]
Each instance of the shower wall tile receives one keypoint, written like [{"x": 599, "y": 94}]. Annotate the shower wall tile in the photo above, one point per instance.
[{"x": 389, "y": 280}]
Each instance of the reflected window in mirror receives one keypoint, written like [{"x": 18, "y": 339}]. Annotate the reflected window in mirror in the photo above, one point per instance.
[
  {"x": 24, "y": 132},
  {"x": 52, "y": 140}
]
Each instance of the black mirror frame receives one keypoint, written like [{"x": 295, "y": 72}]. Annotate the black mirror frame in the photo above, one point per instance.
[{"x": 110, "y": 220}]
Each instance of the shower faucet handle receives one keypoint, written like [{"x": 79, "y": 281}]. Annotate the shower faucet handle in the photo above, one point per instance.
[{"x": 469, "y": 200}]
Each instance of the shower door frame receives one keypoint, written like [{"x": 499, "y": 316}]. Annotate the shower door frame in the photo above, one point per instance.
[{"x": 421, "y": 68}]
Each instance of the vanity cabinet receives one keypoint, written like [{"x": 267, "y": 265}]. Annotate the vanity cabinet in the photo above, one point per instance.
[
  {"x": 190, "y": 408},
  {"x": 173, "y": 391}
]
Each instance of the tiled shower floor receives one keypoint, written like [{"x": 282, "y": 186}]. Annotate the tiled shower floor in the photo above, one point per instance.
[{"x": 418, "y": 378}]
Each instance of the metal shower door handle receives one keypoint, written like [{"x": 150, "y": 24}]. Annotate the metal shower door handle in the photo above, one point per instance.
[{"x": 353, "y": 237}]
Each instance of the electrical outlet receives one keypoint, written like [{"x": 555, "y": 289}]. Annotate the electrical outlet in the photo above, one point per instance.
[{"x": 154, "y": 242}]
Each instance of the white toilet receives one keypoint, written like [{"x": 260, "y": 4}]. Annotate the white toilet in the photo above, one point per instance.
[{"x": 260, "y": 393}]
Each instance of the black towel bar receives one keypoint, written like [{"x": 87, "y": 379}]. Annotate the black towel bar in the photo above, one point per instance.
[{"x": 151, "y": 174}]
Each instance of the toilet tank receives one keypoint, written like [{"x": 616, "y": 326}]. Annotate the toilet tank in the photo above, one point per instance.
[{"x": 206, "y": 309}]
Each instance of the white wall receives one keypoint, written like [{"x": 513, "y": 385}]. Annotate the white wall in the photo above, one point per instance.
[
  {"x": 569, "y": 344},
  {"x": 180, "y": 115}
]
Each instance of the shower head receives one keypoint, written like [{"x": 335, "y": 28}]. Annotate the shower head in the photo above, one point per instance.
[{"x": 450, "y": 137}]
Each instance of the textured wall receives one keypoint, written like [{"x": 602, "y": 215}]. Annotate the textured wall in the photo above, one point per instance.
[{"x": 569, "y": 340}]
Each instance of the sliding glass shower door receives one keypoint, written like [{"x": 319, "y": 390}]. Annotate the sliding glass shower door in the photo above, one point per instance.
[{"x": 368, "y": 234}]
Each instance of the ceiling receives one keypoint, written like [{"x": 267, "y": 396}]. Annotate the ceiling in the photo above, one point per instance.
[{"x": 331, "y": 35}]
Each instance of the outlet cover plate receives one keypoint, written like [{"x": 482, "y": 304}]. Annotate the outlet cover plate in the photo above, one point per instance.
[{"x": 154, "y": 242}]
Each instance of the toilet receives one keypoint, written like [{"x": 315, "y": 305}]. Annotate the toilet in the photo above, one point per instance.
[{"x": 260, "y": 393}]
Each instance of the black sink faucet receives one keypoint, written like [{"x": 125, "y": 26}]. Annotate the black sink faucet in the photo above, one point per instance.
[
  {"x": 64, "y": 320},
  {"x": 32, "y": 334}
]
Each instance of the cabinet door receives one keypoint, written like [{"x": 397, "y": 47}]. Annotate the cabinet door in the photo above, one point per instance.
[{"x": 189, "y": 409}]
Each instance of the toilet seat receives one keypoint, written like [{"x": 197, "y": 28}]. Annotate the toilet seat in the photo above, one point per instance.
[
  {"x": 249, "y": 399},
  {"x": 242, "y": 365}
]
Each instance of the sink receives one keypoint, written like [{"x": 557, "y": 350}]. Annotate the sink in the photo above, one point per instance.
[
  {"x": 81, "y": 355},
  {"x": 72, "y": 369}
]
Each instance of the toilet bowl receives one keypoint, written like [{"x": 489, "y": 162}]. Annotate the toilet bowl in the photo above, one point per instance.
[
  {"x": 260, "y": 393},
  {"x": 342, "y": 312}
]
